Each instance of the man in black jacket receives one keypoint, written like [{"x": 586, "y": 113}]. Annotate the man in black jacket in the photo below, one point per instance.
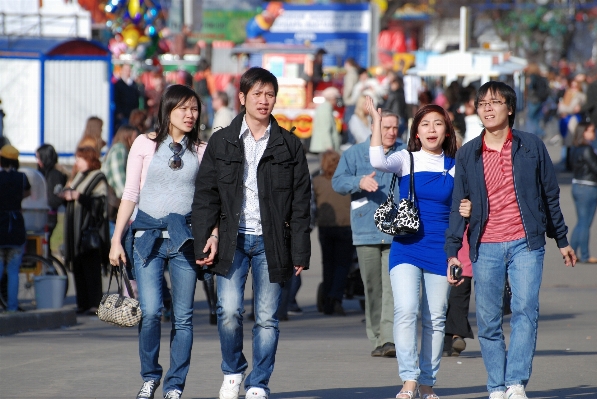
[{"x": 254, "y": 183}]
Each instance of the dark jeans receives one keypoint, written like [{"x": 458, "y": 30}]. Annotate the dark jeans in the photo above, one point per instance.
[
  {"x": 457, "y": 315},
  {"x": 336, "y": 255},
  {"x": 87, "y": 272}
]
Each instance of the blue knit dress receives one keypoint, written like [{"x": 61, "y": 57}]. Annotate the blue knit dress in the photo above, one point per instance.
[{"x": 434, "y": 182}]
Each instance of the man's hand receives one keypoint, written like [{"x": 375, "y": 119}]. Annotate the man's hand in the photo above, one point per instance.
[
  {"x": 453, "y": 261},
  {"x": 569, "y": 256},
  {"x": 368, "y": 183},
  {"x": 298, "y": 269},
  {"x": 465, "y": 208}
]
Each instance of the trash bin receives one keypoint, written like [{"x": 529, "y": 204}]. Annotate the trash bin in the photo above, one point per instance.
[{"x": 49, "y": 291}]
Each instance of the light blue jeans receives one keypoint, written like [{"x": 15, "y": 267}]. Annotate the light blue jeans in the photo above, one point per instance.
[
  {"x": 417, "y": 289},
  {"x": 11, "y": 257},
  {"x": 183, "y": 279},
  {"x": 524, "y": 268},
  {"x": 250, "y": 253}
]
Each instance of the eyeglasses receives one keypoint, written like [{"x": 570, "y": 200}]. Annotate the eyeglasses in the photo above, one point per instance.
[
  {"x": 175, "y": 161},
  {"x": 493, "y": 103}
]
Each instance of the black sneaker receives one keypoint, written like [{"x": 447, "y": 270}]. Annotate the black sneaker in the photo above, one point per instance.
[{"x": 148, "y": 389}]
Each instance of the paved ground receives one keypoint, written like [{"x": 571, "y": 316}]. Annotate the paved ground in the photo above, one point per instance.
[{"x": 318, "y": 357}]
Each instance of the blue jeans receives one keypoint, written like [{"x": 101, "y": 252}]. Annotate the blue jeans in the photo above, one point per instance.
[
  {"x": 585, "y": 200},
  {"x": 524, "y": 268},
  {"x": 250, "y": 253},
  {"x": 12, "y": 257},
  {"x": 183, "y": 277},
  {"x": 410, "y": 283},
  {"x": 534, "y": 116}
]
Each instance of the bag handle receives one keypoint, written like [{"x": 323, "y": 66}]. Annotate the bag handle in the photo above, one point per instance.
[
  {"x": 392, "y": 186},
  {"x": 411, "y": 191},
  {"x": 127, "y": 283}
]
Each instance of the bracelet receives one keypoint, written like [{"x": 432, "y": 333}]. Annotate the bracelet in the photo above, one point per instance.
[{"x": 214, "y": 236}]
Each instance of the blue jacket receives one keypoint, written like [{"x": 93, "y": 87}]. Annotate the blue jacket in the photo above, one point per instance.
[
  {"x": 353, "y": 165},
  {"x": 535, "y": 185},
  {"x": 178, "y": 227}
]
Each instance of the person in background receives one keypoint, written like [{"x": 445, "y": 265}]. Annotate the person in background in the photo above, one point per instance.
[
  {"x": 510, "y": 180},
  {"x": 13, "y": 235},
  {"x": 335, "y": 235},
  {"x": 126, "y": 96},
  {"x": 584, "y": 189},
  {"x": 138, "y": 120},
  {"x": 396, "y": 102},
  {"x": 325, "y": 132},
  {"x": 114, "y": 168},
  {"x": 47, "y": 159},
  {"x": 223, "y": 115},
  {"x": 205, "y": 86},
  {"x": 359, "y": 124},
  {"x": 368, "y": 190},
  {"x": 349, "y": 81},
  {"x": 537, "y": 94},
  {"x": 417, "y": 262},
  {"x": 160, "y": 182},
  {"x": 569, "y": 108},
  {"x": 232, "y": 93},
  {"x": 86, "y": 231},
  {"x": 92, "y": 135}
]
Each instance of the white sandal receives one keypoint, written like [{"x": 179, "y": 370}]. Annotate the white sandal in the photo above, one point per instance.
[{"x": 411, "y": 394}]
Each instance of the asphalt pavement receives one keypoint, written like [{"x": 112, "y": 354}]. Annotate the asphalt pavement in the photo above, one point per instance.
[{"x": 319, "y": 356}]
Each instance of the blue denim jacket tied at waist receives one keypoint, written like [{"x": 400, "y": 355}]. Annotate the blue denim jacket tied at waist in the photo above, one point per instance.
[{"x": 176, "y": 225}]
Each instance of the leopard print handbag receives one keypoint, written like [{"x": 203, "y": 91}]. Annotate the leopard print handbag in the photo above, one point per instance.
[{"x": 404, "y": 218}]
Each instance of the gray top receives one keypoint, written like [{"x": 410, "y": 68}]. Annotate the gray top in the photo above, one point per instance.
[{"x": 165, "y": 190}]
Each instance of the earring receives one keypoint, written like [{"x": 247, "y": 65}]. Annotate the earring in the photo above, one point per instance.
[
  {"x": 448, "y": 135},
  {"x": 417, "y": 136}
]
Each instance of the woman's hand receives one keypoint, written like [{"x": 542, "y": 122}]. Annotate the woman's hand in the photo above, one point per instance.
[
  {"x": 117, "y": 254},
  {"x": 211, "y": 248},
  {"x": 69, "y": 195},
  {"x": 465, "y": 208}
]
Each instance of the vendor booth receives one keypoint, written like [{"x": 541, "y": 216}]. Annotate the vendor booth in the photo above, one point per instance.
[{"x": 49, "y": 87}]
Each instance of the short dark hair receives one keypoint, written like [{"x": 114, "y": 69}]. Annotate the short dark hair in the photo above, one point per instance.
[
  {"x": 254, "y": 76},
  {"x": 503, "y": 90},
  {"x": 223, "y": 97},
  {"x": 449, "y": 146},
  {"x": 9, "y": 163}
]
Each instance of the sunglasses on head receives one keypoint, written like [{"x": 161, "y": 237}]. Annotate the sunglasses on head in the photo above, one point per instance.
[{"x": 175, "y": 161}]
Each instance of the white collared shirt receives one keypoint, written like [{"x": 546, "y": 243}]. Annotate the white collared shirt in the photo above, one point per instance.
[{"x": 250, "y": 215}]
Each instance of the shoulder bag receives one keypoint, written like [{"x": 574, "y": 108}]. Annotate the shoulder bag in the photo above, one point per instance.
[
  {"x": 404, "y": 218},
  {"x": 117, "y": 309}
]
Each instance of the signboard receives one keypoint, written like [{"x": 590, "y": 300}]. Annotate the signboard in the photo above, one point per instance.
[
  {"x": 343, "y": 30},
  {"x": 224, "y": 25}
]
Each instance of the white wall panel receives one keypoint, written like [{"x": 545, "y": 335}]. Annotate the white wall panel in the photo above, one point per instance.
[
  {"x": 74, "y": 91},
  {"x": 20, "y": 94}
]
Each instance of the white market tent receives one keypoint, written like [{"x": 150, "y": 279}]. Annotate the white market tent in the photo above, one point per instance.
[{"x": 49, "y": 87}]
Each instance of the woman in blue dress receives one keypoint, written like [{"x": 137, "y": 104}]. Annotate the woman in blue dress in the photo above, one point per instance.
[{"x": 418, "y": 261}]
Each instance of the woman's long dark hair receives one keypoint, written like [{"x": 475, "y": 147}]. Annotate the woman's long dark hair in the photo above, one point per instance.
[
  {"x": 173, "y": 97},
  {"x": 449, "y": 146},
  {"x": 48, "y": 157}
]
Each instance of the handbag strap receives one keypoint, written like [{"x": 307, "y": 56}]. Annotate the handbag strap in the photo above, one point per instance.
[
  {"x": 392, "y": 186},
  {"x": 411, "y": 191},
  {"x": 127, "y": 283}
]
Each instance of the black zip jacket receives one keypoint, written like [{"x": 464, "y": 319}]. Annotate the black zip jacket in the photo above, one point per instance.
[
  {"x": 584, "y": 163},
  {"x": 284, "y": 199},
  {"x": 535, "y": 185}
]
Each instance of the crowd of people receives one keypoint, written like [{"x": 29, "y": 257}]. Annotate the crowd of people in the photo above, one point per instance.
[{"x": 242, "y": 200}]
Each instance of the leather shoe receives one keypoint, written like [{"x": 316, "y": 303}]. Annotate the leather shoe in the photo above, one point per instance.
[
  {"x": 388, "y": 350},
  {"x": 377, "y": 352}
]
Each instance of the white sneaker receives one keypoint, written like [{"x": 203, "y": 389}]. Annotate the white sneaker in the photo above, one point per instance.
[
  {"x": 231, "y": 386},
  {"x": 498, "y": 395},
  {"x": 515, "y": 392},
  {"x": 256, "y": 393}
]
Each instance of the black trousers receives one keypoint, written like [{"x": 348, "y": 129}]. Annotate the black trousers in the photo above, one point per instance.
[
  {"x": 87, "y": 272},
  {"x": 336, "y": 254},
  {"x": 457, "y": 316}
]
